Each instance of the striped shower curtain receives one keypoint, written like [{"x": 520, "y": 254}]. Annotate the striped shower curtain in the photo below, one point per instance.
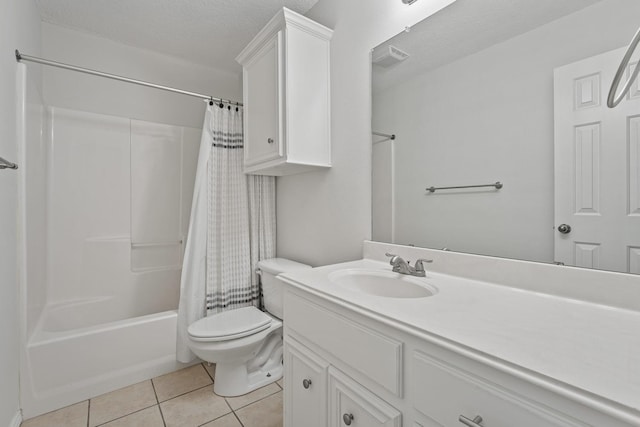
[{"x": 232, "y": 227}]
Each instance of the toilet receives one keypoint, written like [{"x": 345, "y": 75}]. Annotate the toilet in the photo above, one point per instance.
[{"x": 246, "y": 343}]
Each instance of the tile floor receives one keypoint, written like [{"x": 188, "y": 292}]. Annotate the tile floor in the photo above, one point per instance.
[{"x": 183, "y": 398}]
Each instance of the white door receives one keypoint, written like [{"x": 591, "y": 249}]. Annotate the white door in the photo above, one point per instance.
[{"x": 597, "y": 168}]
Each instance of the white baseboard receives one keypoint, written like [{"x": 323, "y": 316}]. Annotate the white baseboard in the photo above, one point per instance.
[{"x": 17, "y": 419}]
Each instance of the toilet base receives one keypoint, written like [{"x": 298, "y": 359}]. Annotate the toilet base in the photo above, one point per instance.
[{"x": 235, "y": 379}]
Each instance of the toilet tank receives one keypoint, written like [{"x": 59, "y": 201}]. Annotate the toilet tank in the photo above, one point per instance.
[{"x": 272, "y": 287}]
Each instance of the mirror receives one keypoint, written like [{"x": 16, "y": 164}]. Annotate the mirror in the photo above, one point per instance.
[{"x": 510, "y": 91}]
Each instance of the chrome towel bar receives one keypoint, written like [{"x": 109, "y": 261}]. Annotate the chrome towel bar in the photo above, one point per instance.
[
  {"x": 498, "y": 185},
  {"x": 5, "y": 164}
]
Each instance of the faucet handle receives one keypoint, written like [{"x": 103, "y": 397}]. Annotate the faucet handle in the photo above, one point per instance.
[
  {"x": 390, "y": 255},
  {"x": 420, "y": 267}
]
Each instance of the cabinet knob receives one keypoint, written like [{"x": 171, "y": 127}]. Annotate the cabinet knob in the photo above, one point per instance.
[
  {"x": 270, "y": 140},
  {"x": 470, "y": 423},
  {"x": 347, "y": 418},
  {"x": 306, "y": 383}
]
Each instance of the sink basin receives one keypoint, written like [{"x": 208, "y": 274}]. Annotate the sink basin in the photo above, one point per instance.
[{"x": 383, "y": 283}]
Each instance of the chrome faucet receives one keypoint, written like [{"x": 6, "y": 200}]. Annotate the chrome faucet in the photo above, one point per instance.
[{"x": 401, "y": 266}]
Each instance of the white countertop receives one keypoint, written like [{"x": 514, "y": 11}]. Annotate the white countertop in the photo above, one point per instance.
[{"x": 591, "y": 347}]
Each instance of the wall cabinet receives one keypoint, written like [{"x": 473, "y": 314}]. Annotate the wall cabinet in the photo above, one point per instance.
[{"x": 286, "y": 95}]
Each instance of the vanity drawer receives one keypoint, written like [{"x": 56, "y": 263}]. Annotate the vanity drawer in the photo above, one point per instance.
[
  {"x": 376, "y": 356},
  {"x": 444, "y": 393}
]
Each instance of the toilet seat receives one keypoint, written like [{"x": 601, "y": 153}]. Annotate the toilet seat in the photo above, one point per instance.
[{"x": 229, "y": 325}]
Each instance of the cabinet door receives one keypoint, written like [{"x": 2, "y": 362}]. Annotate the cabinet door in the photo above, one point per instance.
[
  {"x": 262, "y": 75},
  {"x": 305, "y": 386},
  {"x": 350, "y": 404}
]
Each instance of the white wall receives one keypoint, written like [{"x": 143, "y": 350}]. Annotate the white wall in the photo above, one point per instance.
[
  {"x": 82, "y": 92},
  {"x": 484, "y": 118},
  {"x": 323, "y": 217},
  {"x": 19, "y": 28}
]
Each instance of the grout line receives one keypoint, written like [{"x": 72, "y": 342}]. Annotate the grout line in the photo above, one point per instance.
[
  {"x": 164, "y": 423},
  {"x": 191, "y": 391},
  {"x": 182, "y": 394},
  {"x": 238, "y": 418},
  {"x": 255, "y": 401},
  {"x": 207, "y": 371},
  {"x": 155, "y": 393},
  {"x": 217, "y": 418},
  {"x": 126, "y": 415},
  {"x": 88, "y": 411}
]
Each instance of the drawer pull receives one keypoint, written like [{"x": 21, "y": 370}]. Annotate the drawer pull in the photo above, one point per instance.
[
  {"x": 270, "y": 140},
  {"x": 470, "y": 423},
  {"x": 347, "y": 418},
  {"x": 306, "y": 383}
]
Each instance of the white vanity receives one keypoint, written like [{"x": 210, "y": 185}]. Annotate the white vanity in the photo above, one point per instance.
[{"x": 474, "y": 353}]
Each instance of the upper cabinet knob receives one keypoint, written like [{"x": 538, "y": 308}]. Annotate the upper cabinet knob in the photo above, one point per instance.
[
  {"x": 347, "y": 419},
  {"x": 270, "y": 140},
  {"x": 306, "y": 383}
]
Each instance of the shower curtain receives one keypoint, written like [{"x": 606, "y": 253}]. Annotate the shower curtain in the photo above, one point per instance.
[{"x": 232, "y": 227}]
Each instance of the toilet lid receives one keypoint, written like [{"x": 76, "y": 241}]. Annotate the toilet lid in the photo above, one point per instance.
[{"x": 230, "y": 324}]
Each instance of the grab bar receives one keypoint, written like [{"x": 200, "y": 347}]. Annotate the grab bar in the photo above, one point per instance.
[
  {"x": 6, "y": 164},
  {"x": 391, "y": 136},
  {"x": 498, "y": 185},
  {"x": 612, "y": 99},
  {"x": 150, "y": 244}
]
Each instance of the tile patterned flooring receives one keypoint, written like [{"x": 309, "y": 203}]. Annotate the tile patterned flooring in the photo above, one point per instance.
[{"x": 184, "y": 398}]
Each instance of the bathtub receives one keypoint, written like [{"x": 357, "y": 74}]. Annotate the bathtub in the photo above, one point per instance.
[{"x": 85, "y": 348}]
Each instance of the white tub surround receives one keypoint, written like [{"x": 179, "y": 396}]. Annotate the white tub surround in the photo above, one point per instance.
[{"x": 547, "y": 350}]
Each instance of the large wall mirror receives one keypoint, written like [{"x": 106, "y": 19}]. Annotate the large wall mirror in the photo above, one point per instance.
[{"x": 510, "y": 91}]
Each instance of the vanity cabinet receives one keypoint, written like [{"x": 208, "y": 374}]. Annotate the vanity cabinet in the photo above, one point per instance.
[
  {"x": 324, "y": 368},
  {"x": 309, "y": 380},
  {"x": 286, "y": 95},
  {"x": 364, "y": 370}
]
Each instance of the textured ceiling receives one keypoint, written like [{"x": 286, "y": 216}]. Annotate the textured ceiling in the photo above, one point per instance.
[
  {"x": 208, "y": 32},
  {"x": 465, "y": 27}
]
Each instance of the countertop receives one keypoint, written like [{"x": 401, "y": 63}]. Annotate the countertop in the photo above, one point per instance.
[{"x": 588, "y": 346}]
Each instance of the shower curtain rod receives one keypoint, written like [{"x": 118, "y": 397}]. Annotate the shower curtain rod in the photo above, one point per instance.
[{"x": 22, "y": 57}]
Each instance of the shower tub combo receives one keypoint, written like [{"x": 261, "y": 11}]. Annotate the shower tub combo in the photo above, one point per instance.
[{"x": 103, "y": 208}]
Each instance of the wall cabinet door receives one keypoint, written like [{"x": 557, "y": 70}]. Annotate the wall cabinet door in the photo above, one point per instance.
[
  {"x": 350, "y": 404},
  {"x": 261, "y": 76},
  {"x": 305, "y": 390}
]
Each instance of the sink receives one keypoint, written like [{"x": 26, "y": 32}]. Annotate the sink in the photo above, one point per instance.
[{"x": 383, "y": 283}]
